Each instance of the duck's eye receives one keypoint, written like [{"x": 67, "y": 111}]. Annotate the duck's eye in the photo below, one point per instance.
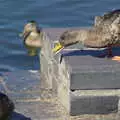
[{"x": 62, "y": 37}]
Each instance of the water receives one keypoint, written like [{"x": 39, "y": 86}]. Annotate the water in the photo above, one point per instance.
[{"x": 48, "y": 13}]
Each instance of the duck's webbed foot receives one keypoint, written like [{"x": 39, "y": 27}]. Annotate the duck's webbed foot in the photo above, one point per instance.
[{"x": 116, "y": 58}]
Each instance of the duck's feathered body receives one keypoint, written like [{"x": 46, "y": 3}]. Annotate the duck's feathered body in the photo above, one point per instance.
[
  {"x": 30, "y": 40},
  {"x": 105, "y": 33},
  {"x": 92, "y": 37},
  {"x": 110, "y": 21},
  {"x": 32, "y": 36},
  {"x": 107, "y": 18}
]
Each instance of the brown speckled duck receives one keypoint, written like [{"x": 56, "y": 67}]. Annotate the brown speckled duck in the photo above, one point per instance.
[
  {"x": 105, "y": 33},
  {"x": 32, "y": 36}
]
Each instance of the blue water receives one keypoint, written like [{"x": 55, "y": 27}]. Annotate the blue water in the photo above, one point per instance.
[{"x": 48, "y": 13}]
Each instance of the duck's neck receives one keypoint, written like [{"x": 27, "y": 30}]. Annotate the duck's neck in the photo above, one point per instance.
[{"x": 72, "y": 37}]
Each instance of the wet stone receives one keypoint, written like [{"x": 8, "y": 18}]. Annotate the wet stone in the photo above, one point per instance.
[
  {"x": 22, "y": 81},
  {"x": 24, "y": 96},
  {"x": 40, "y": 110}
]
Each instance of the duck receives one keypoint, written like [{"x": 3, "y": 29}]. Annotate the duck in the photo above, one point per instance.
[
  {"x": 105, "y": 33},
  {"x": 32, "y": 37}
]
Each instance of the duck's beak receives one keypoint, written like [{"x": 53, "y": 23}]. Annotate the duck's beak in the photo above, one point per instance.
[{"x": 58, "y": 47}]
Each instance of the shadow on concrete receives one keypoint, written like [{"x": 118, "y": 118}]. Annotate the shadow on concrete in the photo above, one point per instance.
[
  {"x": 19, "y": 116},
  {"x": 95, "y": 53}
]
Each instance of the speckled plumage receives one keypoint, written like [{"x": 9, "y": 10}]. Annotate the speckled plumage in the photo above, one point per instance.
[
  {"x": 107, "y": 18},
  {"x": 104, "y": 33}
]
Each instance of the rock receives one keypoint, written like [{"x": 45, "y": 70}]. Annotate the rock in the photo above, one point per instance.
[{"x": 6, "y": 106}]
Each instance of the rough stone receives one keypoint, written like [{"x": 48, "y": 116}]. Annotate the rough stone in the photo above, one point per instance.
[
  {"x": 94, "y": 104},
  {"x": 22, "y": 81},
  {"x": 6, "y": 107},
  {"x": 89, "y": 72},
  {"x": 41, "y": 110},
  {"x": 77, "y": 70}
]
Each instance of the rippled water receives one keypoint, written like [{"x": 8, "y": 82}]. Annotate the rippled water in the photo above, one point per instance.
[{"x": 48, "y": 13}]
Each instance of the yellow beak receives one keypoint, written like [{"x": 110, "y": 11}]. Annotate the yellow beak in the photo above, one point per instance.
[{"x": 57, "y": 47}]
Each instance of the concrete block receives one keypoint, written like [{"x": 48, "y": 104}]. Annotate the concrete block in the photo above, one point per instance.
[
  {"x": 90, "y": 72},
  {"x": 93, "y": 104},
  {"x": 80, "y": 70},
  {"x": 46, "y": 57},
  {"x": 64, "y": 86}
]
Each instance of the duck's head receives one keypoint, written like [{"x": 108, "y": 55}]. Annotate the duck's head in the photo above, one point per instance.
[
  {"x": 31, "y": 26},
  {"x": 66, "y": 39}
]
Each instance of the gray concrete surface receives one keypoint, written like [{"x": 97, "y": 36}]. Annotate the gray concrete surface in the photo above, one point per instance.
[
  {"x": 54, "y": 76},
  {"x": 35, "y": 108},
  {"x": 79, "y": 70},
  {"x": 89, "y": 72},
  {"x": 94, "y": 105},
  {"x": 23, "y": 87}
]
